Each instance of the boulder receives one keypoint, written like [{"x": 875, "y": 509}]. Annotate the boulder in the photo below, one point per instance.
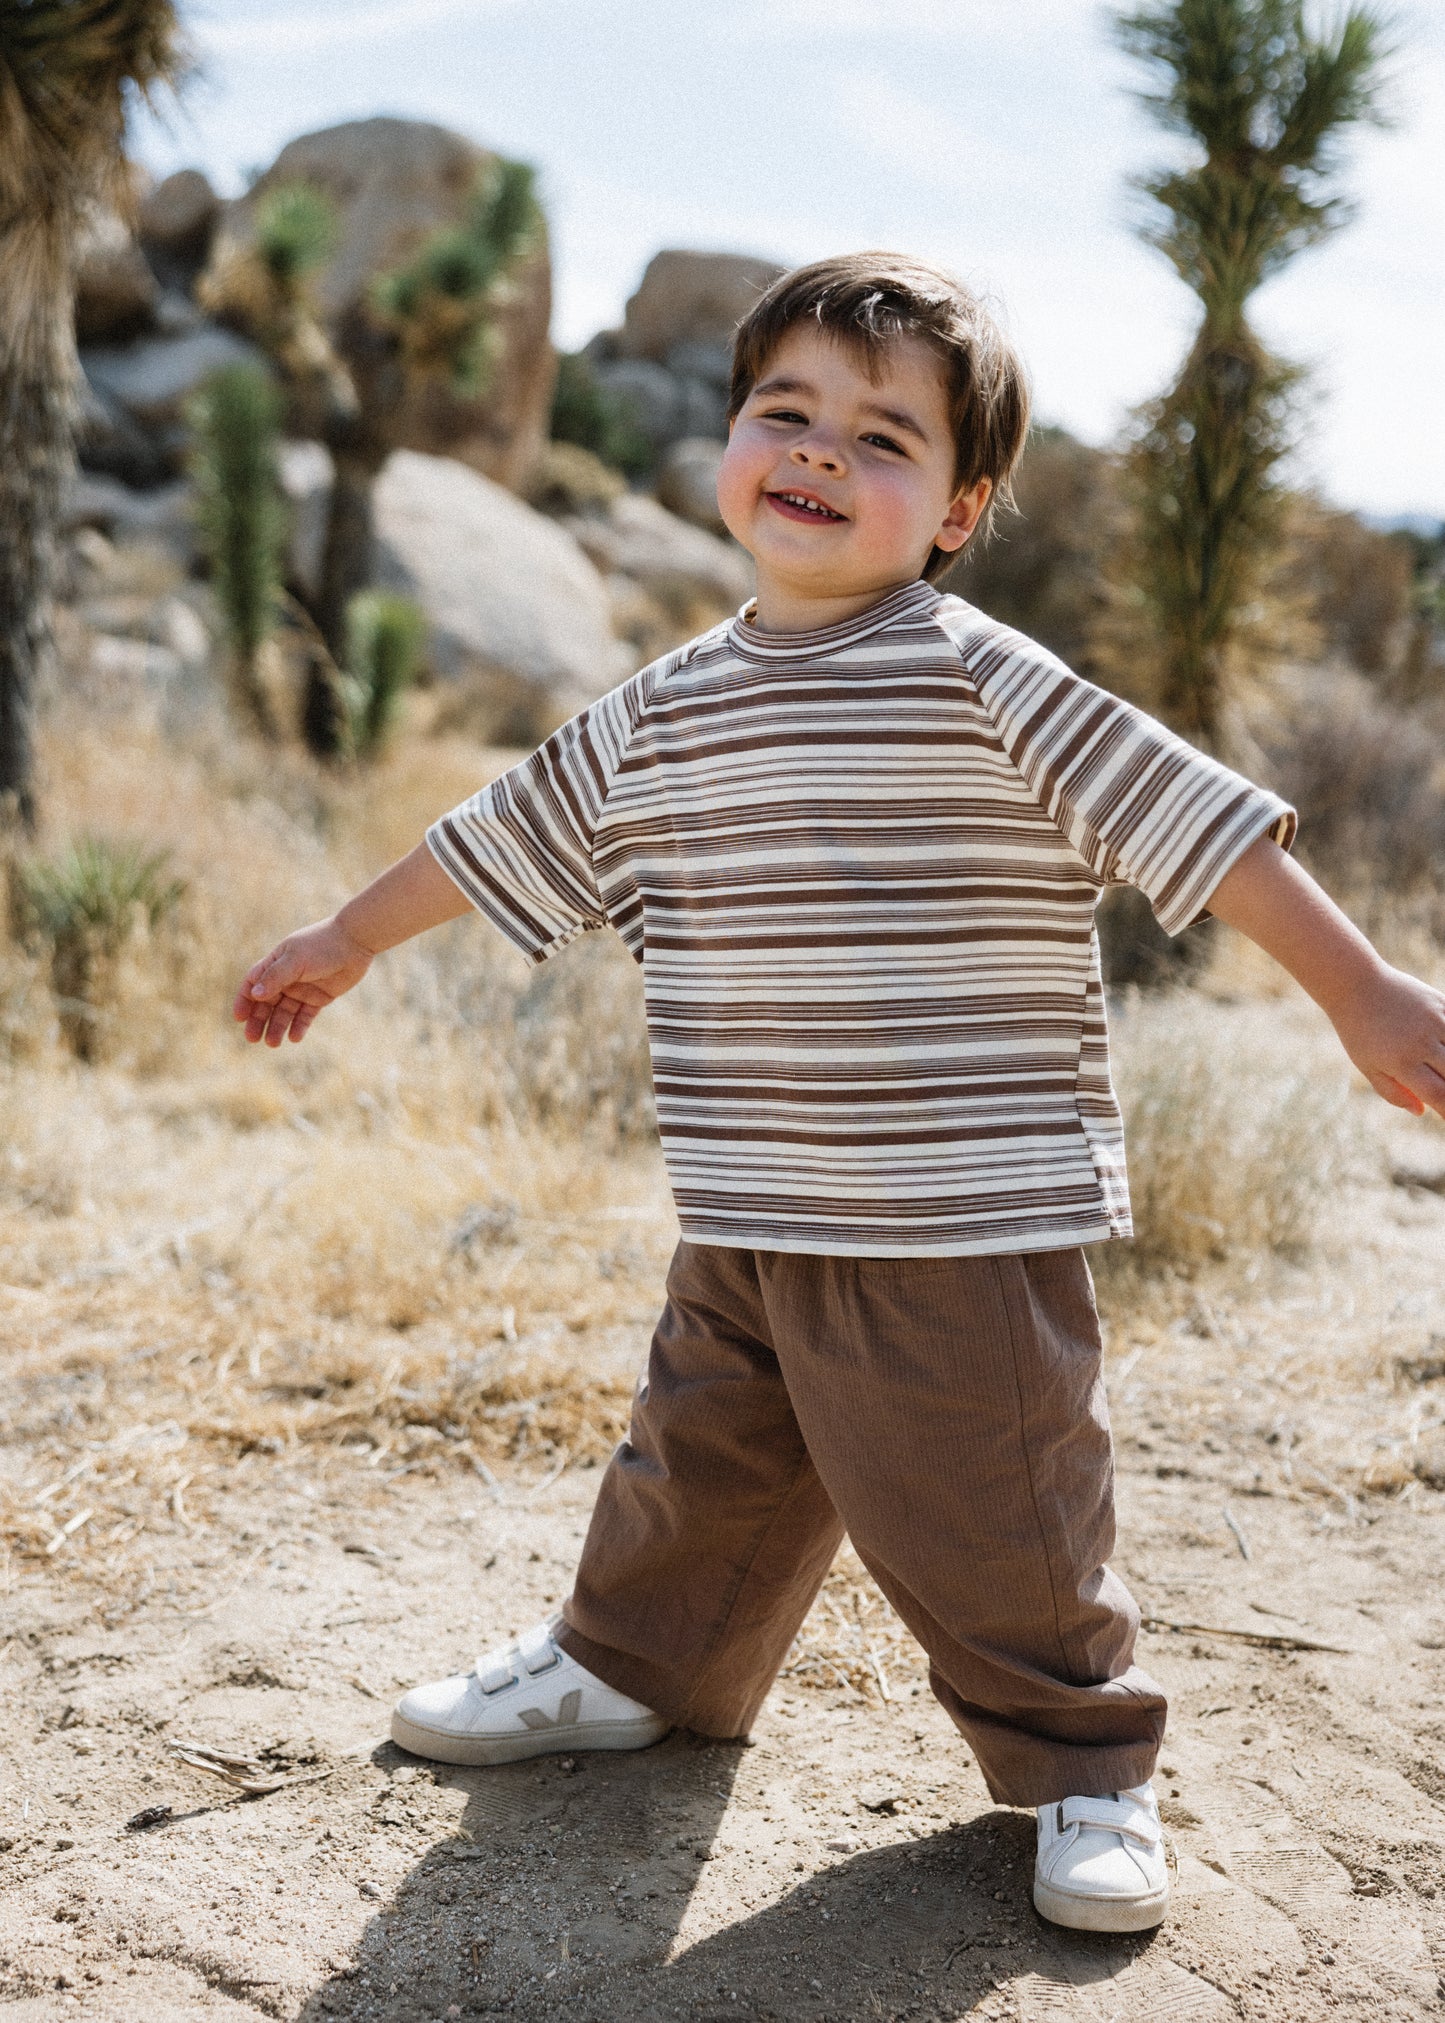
[
  {"x": 393, "y": 182},
  {"x": 307, "y": 478},
  {"x": 115, "y": 290},
  {"x": 664, "y": 405},
  {"x": 110, "y": 444},
  {"x": 176, "y": 221},
  {"x": 687, "y": 481},
  {"x": 692, "y": 575},
  {"x": 514, "y": 608},
  {"x": 153, "y": 380},
  {"x": 163, "y": 518},
  {"x": 692, "y": 299}
]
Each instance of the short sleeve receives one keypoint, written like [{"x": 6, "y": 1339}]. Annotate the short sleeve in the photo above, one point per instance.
[
  {"x": 1140, "y": 805},
  {"x": 521, "y": 849}
]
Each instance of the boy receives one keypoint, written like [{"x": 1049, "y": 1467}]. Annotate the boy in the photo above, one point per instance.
[{"x": 856, "y": 838}]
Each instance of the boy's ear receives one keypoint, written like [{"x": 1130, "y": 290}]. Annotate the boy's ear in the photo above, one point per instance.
[{"x": 963, "y": 516}]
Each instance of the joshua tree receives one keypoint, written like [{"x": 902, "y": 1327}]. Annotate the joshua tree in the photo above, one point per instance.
[
  {"x": 434, "y": 327},
  {"x": 67, "y": 70},
  {"x": 266, "y": 287},
  {"x": 1266, "y": 100}
]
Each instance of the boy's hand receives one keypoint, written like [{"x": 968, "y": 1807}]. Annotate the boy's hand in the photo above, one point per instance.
[
  {"x": 1391, "y": 1025},
  {"x": 308, "y": 970},
  {"x": 283, "y": 992},
  {"x": 1395, "y": 1035}
]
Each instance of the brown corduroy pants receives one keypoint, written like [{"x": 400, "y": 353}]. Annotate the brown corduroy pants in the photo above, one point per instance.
[{"x": 949, "y": 1413}]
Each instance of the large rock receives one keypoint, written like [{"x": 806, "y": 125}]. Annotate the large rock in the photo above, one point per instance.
[
  {"x": 153, "y": 380},
  {"x": 115, "y": 290},
  {"x": 664, "y": 405},
  {"x": 694, "y": 576},
  {"x": 692, "y": 299},
  {"x": 163, "y": 518},
  {"x": 393, "y": 182},
  {"x": 687, "y": 481},
  {"x": 176, "y": 222},
  {"x": 514, "y": 608},
  {"x": 308, "y": 478}
]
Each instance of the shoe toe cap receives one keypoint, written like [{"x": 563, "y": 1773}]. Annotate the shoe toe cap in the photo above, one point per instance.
[{"x": 443, "y": 1704}]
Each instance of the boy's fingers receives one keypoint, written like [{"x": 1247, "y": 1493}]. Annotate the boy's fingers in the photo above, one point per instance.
[{"x": 1396, "y": 1093}]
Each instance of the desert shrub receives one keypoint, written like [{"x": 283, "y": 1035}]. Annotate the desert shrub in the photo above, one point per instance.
[
  {"x": 1369, "y": 782},
  {"x": 1042, "y": 569},
  {"x": 384, "y": 638},
  {"x": 567, "y": 479},
  {"x": 84, "y": 906},
  {"x": 1222, "y": 1161},
  {"x": 442, "y": 304},
  {"x": 295, "y": 231},
  {"x": 587, "y": 414},
  {"x": 241, "y": 517}
]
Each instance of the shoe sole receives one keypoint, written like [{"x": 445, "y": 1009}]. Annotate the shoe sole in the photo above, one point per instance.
[
  {"x": 1099, "y": 1914},
  {"x": 439, "y": 1747}
]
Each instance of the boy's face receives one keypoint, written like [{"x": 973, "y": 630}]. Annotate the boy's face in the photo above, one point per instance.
[{"x": 839, "y": 484}]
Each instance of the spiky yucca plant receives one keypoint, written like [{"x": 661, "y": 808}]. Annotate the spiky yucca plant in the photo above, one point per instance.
[
  {"x": 67, "y": 68},
  {"x": 384, "y": 635},
  {"x": 442, "y": 304},
  {"x": 241, "y": 516},
  {"x": 84, "y": 905},
  {"x": 1264, "y": 100}
]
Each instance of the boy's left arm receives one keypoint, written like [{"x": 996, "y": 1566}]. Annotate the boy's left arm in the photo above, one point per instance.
[{"x": 1391, "y": 1025}]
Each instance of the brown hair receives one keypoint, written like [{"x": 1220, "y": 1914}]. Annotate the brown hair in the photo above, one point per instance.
[{"x": 871, "y": 299}]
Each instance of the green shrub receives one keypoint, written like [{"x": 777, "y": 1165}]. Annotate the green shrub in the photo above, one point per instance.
[
  {"x": 384, "y": 638},
  {"x": 241, "y": 516},
  {"x": 588, "y": 415},
  {"x": 443, "y": 302},
  {"x": 85, "y": 905},
  {"x": 295, "y": 231}
]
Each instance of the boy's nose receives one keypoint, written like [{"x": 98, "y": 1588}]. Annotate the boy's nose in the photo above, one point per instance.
[{"x": 818, "y": 453}]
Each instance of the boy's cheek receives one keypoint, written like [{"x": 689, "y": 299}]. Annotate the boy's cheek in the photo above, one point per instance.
[{"x": 737, "y": 490}]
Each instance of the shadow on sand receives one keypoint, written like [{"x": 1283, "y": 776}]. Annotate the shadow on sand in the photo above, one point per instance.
[{"x": 610, "y": 1854}]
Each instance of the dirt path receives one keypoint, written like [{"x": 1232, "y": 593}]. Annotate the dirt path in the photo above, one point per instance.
[{"x": 847, "y": 1865}]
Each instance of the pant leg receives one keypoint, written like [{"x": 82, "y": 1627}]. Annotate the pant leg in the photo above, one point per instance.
[
  {"x": 954, "y": 1410},
  {"x": 711, "y": 1532}
]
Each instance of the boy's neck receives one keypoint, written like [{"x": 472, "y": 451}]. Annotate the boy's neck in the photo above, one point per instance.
[{"x": 781, "y": 607}]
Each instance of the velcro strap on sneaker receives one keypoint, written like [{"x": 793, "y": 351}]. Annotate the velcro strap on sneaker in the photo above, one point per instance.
[
  {"x": 497, "y": 1669},
  {"x": 1113, "y": 1815},
  {"x": 537, "y": 1651}
]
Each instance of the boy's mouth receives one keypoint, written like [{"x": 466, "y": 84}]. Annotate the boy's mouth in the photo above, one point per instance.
[{"x": 802, "y": 506}]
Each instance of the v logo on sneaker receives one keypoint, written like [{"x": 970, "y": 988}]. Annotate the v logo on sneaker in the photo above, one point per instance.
[{"x": 566, "y": 1714}]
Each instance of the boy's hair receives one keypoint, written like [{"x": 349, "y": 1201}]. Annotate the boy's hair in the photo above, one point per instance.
[{"x": 869, "y": 299}]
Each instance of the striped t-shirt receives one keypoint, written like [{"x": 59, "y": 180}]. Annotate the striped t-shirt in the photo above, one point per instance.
[{"x": 859, "y": 867}]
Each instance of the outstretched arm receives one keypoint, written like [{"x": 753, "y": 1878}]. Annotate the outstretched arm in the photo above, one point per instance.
[
  {"x": 307, "y": 971},
  {"x": 1391, "y": 1025}
]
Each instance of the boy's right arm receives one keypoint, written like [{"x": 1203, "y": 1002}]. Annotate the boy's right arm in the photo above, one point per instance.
[{"x": 283, "y": 993}]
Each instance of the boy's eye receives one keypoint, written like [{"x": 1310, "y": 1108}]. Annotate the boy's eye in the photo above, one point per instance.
[
  {"x": 785, "y": 414},
  {"x": 885, "y": 442}
]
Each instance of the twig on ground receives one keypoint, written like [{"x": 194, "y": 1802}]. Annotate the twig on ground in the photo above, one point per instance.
[
  {"x": 1239, "y": 1538},
  {"x": 1259, "y": 1638},
  {"x": 68, "y": 1530},
  {"x": 245, "y": 1772}
]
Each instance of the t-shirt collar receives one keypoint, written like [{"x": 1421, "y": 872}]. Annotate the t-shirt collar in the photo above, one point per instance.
[{"x": 908, "y": 600}]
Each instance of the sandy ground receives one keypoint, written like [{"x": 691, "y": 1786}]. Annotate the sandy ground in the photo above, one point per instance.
[{"x": 847, "y": 1863}]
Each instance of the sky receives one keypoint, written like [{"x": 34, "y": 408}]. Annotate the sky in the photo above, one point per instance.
[{"x": 996, "y": 137}]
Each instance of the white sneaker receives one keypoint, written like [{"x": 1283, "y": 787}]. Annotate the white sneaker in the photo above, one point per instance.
[
  {"x": 1101, "y": 1863},
  {"x": 528, "y": 1699}
]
